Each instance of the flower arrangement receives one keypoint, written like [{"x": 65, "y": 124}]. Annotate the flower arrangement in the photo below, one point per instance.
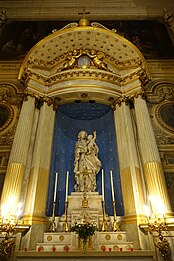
[{"x": 84, "y": 230}]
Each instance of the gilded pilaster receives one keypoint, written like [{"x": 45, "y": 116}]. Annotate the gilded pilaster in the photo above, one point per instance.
[
  {"x": 152, "y": 164},
  {"x": 39, "y": 173},
  {"x": 19, "y": 153}
]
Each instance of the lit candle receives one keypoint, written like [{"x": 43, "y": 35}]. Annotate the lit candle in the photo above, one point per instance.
[
  {"x": 67, "y": 177},
  {"x": 55, "y": 187},
  {"x": 112, "y": 186},
  {"x": 147, "y": 212},
  {"x": 103, "y": 189}
]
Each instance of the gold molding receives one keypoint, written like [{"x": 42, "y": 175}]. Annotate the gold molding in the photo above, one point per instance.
[
  {"x": 104, "y": 254},
  {"x": 134, "y": 219},
  {"x": 83, "y": 74},
  {"x": 34, "y": 219},
  {"x": 67, "y": 88}
]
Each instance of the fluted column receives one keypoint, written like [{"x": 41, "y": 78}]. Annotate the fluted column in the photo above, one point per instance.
[
  {"x": 19, "y": 153},
  {"x": 131, "y": 179},
  {"x": 151, "y": 160},
  {"x": 36, "y": 199}
]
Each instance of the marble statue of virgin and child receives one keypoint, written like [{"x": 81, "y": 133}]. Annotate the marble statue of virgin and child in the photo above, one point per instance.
[{"x": 86, "y": 161}]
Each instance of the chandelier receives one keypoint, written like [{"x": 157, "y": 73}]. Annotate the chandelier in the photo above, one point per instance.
[
  {"x": 9, "y": 226},
  {"x": 157, "y": 225}
]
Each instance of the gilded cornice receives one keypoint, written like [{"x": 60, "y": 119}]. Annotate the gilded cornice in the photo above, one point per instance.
[{"x": 84, "y": 74}]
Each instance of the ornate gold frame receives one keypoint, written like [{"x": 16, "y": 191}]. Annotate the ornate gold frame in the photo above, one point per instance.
[
  {"x": 158, "y": 116},
  {"x": 10, "y": 117}
]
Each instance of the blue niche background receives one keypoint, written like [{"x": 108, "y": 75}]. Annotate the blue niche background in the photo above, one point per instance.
[{"x": 70, "y": 120}]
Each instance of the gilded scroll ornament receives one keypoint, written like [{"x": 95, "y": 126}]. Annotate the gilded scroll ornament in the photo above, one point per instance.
[{"x": 160, "y": 91}]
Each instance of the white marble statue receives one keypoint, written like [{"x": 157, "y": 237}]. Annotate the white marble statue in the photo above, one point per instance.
[{"x": 86, "y": 161}]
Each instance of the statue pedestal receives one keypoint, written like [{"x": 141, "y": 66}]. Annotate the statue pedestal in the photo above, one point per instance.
[
  {"x": 76, "y": 212},
  {"x": 76, "y": 198}
]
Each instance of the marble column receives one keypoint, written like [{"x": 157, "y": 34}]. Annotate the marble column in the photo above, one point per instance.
[
  {"x": 19, "y": 154},
  {"x": 131, "y": 179},
  {"x": 30, "y": 157},
  {"x": 36, "y": 198},
  {"x": 154, "y": 175},
  {"x": 132, "y": 182}
]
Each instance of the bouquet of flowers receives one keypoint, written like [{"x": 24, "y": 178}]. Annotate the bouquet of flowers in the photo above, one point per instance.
[{"x": 84, "y": 230}]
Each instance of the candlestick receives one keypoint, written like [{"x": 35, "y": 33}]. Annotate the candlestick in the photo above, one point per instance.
[
  {"x": 65, "y": 227},
  {"x": 67, "y": 177},
  {"x": 55, "y": 187},
  {"x": 112, "y": 186},
  {"x": 103, "y": 189},
  {"x": 53, "y": 224},
  {"x": 104, "y": 223}
]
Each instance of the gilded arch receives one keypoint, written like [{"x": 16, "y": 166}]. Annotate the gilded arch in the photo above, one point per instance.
[{"x": 85, "y": 62}]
